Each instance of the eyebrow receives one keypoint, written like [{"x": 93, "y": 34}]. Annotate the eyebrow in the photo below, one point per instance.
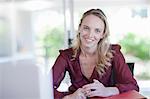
[
  {"x": 86, "y": 25},
  {"x": 95, "y": 28}
]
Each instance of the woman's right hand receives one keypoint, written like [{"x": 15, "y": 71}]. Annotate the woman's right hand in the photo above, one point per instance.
[{"x": 78, "y": 94}]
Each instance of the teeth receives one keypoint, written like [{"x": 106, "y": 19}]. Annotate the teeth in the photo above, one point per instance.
[{"x": 89, "y": 40}]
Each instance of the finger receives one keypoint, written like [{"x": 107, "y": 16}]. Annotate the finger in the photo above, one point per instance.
[
  {"x": 92, "y": 84},
  {"x": 82, "y": 96},
  {"x": 92, "y": 94},
  {"x": 96, "y": 81},
  {"x": 89, "y": 87},
  {"x": 81, "y": 93},
  {"x": 81, "y": 90},
  {"x": 84, "y": 91}
]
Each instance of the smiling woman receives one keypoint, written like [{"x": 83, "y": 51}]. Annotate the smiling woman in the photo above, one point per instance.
[
  {"x": 90, "y": 61},
  {"x": 90, "y": 31}
]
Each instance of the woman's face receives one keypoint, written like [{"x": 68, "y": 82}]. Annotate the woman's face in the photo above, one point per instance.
[{"x": 91, "y": 31}]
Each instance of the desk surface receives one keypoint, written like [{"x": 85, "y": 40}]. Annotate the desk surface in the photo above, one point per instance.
[{"x": 127, "y": 95}]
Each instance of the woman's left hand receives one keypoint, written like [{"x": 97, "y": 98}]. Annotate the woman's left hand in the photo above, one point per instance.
[{"x": 95, "y": 89}]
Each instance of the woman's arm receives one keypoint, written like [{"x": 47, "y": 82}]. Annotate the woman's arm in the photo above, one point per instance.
[
  {"x": 59, "y": 70},
  {"x": 123, "y": 76}
]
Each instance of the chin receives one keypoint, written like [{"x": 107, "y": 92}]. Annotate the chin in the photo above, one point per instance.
[{"x": 89, "y": 46}]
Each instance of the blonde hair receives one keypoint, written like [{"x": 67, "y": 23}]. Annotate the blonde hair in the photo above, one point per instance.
[{"x": 103, "y": 49}]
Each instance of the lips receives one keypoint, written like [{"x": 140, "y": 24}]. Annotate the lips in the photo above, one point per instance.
[{"x": 89, "y": 40}]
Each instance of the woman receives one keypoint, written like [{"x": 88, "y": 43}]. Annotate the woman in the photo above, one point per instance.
[{"x": 90, "y": 62}]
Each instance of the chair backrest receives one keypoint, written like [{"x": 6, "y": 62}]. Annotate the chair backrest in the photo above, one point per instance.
[
  {"x": 112, "y": 80},
  {"x": 131, "y": 67}
]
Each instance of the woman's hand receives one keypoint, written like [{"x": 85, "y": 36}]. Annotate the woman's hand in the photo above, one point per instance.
[
  {"x": 78, "y": 94},
  {"x": 95, "y": 89}
]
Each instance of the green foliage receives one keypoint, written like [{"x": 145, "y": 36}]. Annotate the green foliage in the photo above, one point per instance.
[
  {"x": 136, "y": 46},
  {"x": 143, "y": 76},
  {"x": 53, "y": 41}
]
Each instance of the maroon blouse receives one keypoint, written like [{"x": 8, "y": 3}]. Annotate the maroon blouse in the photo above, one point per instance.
[{"x": 123, "y": 77}]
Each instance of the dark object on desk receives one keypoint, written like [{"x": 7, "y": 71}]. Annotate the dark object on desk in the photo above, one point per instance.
[
  {"x": 131, "y": 67},
  {"x": 92, "y": 89}
]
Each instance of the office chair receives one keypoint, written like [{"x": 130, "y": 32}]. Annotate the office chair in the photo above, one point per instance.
[{"x": 112, "y": 80}]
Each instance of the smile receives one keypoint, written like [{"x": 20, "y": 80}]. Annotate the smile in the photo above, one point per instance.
[{"x": 89, "y": 40}]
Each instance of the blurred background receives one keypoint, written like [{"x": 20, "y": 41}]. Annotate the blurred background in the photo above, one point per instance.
[{"x": 33, "y": 31}]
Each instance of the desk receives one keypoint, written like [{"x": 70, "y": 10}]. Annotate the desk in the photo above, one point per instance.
[{"x": 126, "y": 95}]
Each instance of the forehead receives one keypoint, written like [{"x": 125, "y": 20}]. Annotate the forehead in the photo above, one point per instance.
[{"x": 93, "y": 20}]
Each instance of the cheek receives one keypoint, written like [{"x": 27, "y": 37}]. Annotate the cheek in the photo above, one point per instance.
[
  {"x": 98, "y": 37},
  {"x": 84, "y": 33},
  {"x": 101, "y": 36}
]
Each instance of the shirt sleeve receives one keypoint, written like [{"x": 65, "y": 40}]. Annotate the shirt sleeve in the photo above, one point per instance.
[
  {"x": 124, "y": 79},
  {"x": 59, "y": 70}
]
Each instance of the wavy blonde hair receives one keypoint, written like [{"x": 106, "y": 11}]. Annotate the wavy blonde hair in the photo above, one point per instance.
[{"x": 103, "y": 49}]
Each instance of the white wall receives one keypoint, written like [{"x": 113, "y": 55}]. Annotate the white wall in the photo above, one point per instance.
[
  {"x": 23, "y": 80},
  {"x": 46, "y": 91},
  {"x": 0, "y": 83}
]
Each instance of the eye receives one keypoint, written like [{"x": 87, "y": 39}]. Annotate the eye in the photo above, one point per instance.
[
  {"x": 97, "y": 30},
  {"x": 86, "y": 28}
]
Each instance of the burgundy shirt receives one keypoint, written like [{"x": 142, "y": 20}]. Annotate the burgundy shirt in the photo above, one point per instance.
[{"x": 124, "y": 80}]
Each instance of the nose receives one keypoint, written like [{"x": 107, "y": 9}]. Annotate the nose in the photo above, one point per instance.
[{"x": 91, "y": 33}]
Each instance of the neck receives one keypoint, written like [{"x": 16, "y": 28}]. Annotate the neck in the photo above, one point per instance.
[{"x": 86, "y": 51}]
